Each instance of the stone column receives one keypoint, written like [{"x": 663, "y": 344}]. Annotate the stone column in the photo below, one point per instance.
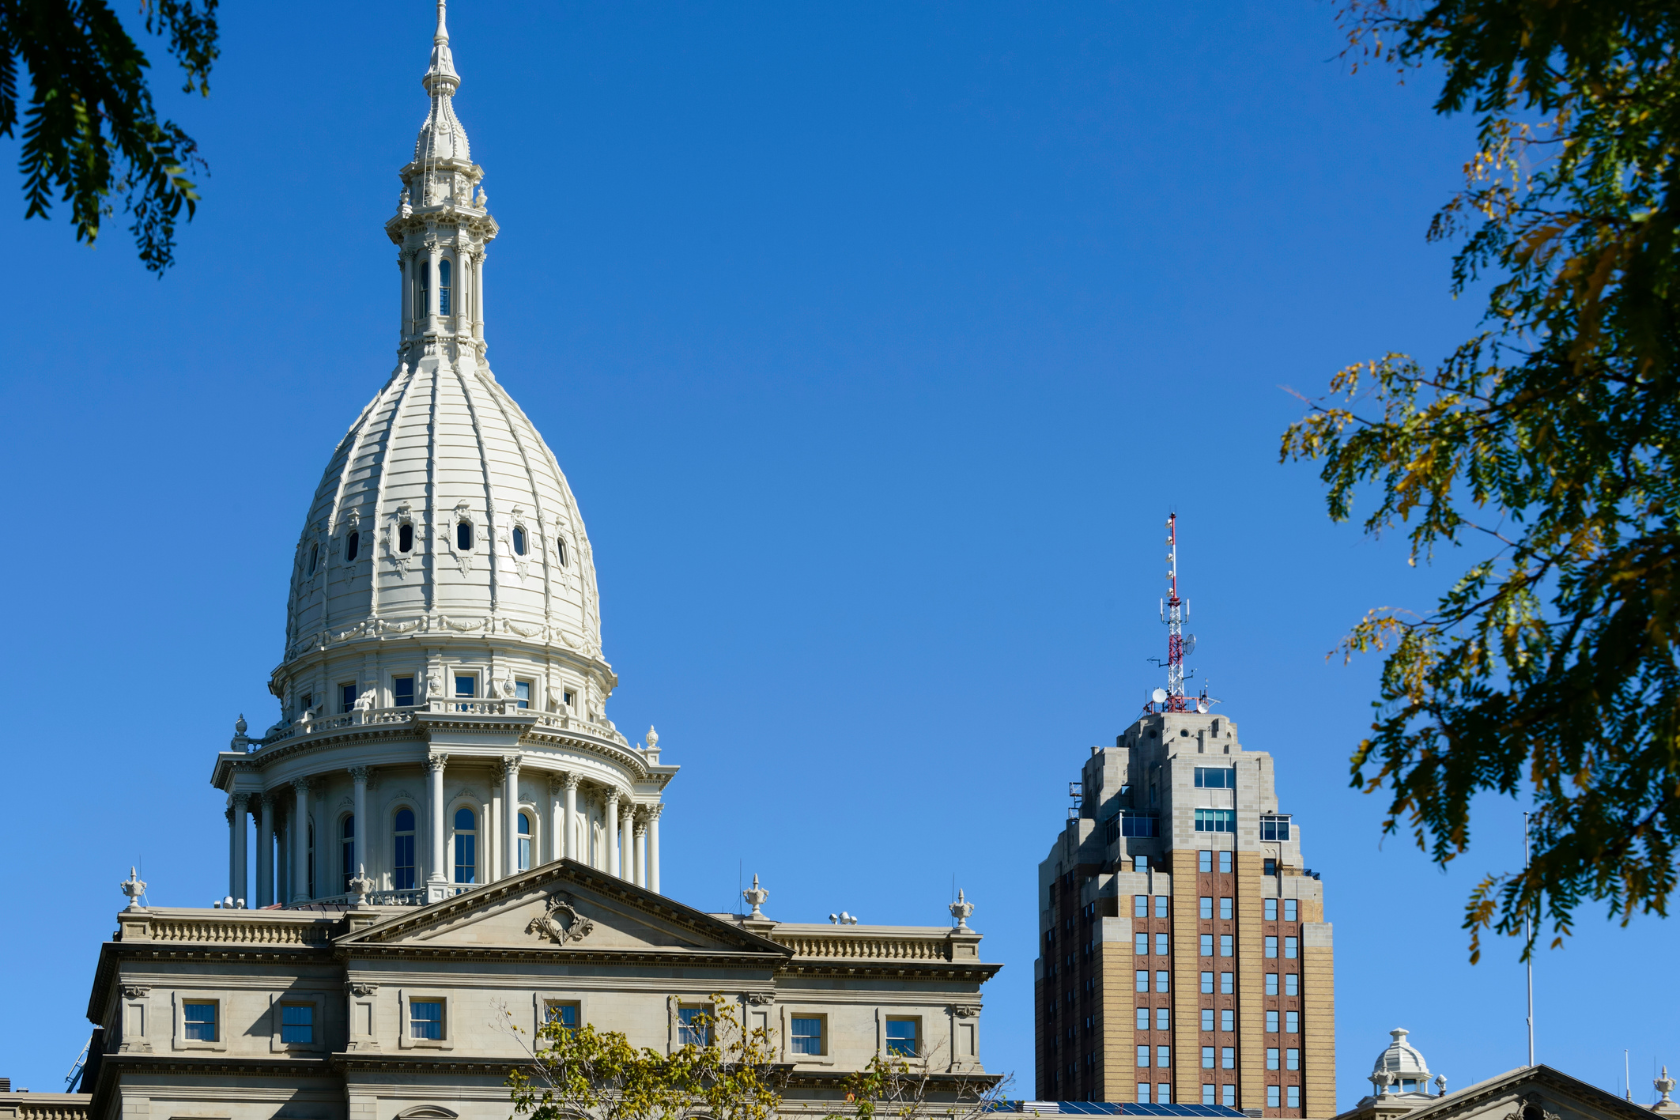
[
  {"x": 510, "y": 816},
  {"x": 358, "y": 860},
  {"x": 300, "y": 840},
  {"x": 653, "y": 848},
  {"x": 241, "y": 807},
  {"x": 432, "y": 287},
  {"x": 612, "y": 833},
  {"x": 434, "y": 795},
  {"x": 556, "y": 820},
  {"x": 265, "y": 852},
  {"x": 571, "y": 823},
  {"x": 641, "y": 849},
  {"x": 478, "y": 288},
  {"x": 627, "y": 842},
  {"x": 232, "y": 843}
]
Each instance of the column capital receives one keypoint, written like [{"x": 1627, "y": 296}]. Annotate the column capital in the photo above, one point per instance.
[
  {"x": 240, "y": 801},
  {"x": 641, "y": 824},
  {"x": 269, "y": 798},
  {"x": 510, "y": 766},
  {"x": 654, "y": 810},
  {"x": 612, "y": 798},
  {"x": 360, "y": 773},
  {"x": 435, "y": 762},
  {"x": 301, "y": 785},
  {"x": 572, "y": 780}
]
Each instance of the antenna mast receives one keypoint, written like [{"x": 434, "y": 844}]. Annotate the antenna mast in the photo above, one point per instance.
[{"x": 1172, "y": 613}]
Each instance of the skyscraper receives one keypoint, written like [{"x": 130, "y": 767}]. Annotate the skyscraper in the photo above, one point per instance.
[{"x": 1183, "y": 953}]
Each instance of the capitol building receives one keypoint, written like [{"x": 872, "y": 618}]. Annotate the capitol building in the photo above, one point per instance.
[{"x": 443, "y": 842}]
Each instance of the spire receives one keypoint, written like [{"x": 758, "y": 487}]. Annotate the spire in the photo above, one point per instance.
[
  {"x": 441, "y": 77},
  {"x": 441, "y": 137}
]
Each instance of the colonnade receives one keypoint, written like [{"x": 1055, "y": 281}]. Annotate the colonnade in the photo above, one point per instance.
[{"x": 287, "y": 850}]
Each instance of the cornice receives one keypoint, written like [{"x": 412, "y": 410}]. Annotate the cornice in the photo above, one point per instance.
[{"x": 930, "y": 970}]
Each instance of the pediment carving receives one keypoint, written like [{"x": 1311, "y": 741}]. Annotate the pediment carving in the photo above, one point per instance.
[{"x": 561, "y": 922}]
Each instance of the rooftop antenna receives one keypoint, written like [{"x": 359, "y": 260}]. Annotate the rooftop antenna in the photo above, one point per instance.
[
  {"x": 1173, "y": 612},
  {"x": 1528, "y": 947}
]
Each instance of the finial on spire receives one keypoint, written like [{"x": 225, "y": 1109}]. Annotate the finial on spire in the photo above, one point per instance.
[{"x": 441, "y": 77}]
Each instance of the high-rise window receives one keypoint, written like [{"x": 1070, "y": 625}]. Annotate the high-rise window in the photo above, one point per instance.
[
  {"x": 1163, "y": 1018},
  {"x": 1160, "y": 906},
  {"x": 1272, "y": 1096},
  {"x": 1163, "y": 1057},
  {"x": 402, "y": 850},
  {"x": 1227, "y": 982},
  {"x": 1207, "y": 983},
  {"x": 1289, "y": 909},
  {"x": 1140, "y": 944},
  {"x": 1269, "y": 910},
  {"x": 1140, "y": 863},
  {"x": 1216, "y": 820},
  {"x": 1225, "y": 862},
  {"x": 1143, "y": 1018},
  {"x": 1207, "y": 907},
  {"x": 1143, "y": 1092},
  {"x": 1140, "y": 906},
  {"x": 1208, "y": 1090},
  {"x": 1292, "y": 1058},
  {"x": 1271, "y": 947},
  {"x": 1207, "y": 944},
  {"x": 1163, "y": 1092},
  {"x": 1227, "y": 1020},
  {"x": 1204, "y": 861},
  {"x": 466, "y": 852},
  {"x": 1289, "y": 948},
  {"x": 1216, "y": 777},
  {"x": 1225, "y": 947},
  {"x": 1274, "y": 827},
  {"x": 1142, "y": 980},
  {"x": 1271, "y": 1057},
  {"x": 1162, "y": 943},
  {"x": 1143, "y": 1057},
  {"x": 1292, "y": 1022},
  {"x": 1228, "y": 1094},
  {"x": 1271, "y": 1022},
  {"x": 1293, "y": 1098},
  {"x": 1226, "y": 908},
  {"x": 1207, "y": 1018},
  {"x": 1271, "y": 983},
  {"x": 1207, "y": 1057},
  {"x": 1162, "y": 979},
  {"x": 1291, "y": 984},
  {"x": 1227, "y": 1057}
]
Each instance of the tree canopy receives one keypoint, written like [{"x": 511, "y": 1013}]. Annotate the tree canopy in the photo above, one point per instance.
[
  {"x": 90, "y": 131},
  {"x": 1545, "y": 448}
]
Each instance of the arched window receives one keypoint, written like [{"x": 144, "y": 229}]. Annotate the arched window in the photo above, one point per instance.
[
  {"x": 347, "y": 841},
  {"x": 402, "y": 850},
  {"x": 405, "y": 537},
  {"x": 466, "y": 857},
  {"x": 524, "y": 842},
  {"x": 352, "y": 545},
  {"x": 519, "y": 540},
  {"x": 443, "y": 287},
  {"x": 463, "y": 535},
  {"x": 561, "y": 545},
  {"x": 314, "y": 557},
  {"x": 425, "y": 287}
]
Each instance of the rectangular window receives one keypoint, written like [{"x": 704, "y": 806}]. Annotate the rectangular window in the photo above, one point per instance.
[
  {"x": 1216, "y": 820},
  {"x": 1143, "y": 1092},
  {"x": 1143, "y": 1018},
  {"x": 1268, "y": 867},
  {"x": 1207, "y": 983},
  {"x": 1163, "y": 1018},
  {"x": 1228, "y": 1093},
  {"x": 1163, "y": 1092},
  {"x": 402, "y": 691},
  {"x": 297, "y": 1023},
  {"x": 1291, "y": 984},
  {"x": 1272, "y": 1096},
  {"x": 1271, "y": 948},
  {"x": 1140, "y": 864},
  {"x": 1140, "y": 906},
  {"x": 1271, "y": 1022},
  {"x": 1274, "y": 827},
  {"x": 1142, "y": 980},
  {"x": 1204, "y": 861},
  {"x": 1207, "y": 1090},
  {"x": 1163, "y": 1058},
  {"x": 1292, "y": 1058},
  {"x": 1140, "y": 944},
  {"x": 1161, "y": 979},
  {"x": 1271, "y": 983},
  {"x": 1291, "y": 1022},
  {"x": 1127, "y": 823},
  {"x": 1216, "y": 777},
  {"x": 1207, "y": 944},
  {"x": 346, "y": 697},
  {"x": 1162, "y": 944},
  {"x": 1225, "y": 947},
  {"x": 904, "y": 1037},
  {"x": 1226, "y": 908},
  {"x": 1225, "y": 862},
  {"x": 1207, "y": 1057},
  {"x": 1270, "y": 910},
  {"x": 1160, "y": 906},
  {"x": 466, "y": 686},
  {"x": 1227, "y": 1020},
  {"x": 198, "y": 1017},
  {"x": 1289, "y": 909},
  {"x": 1143, "y": 1057},
  {"x": 807, "y": 1036},
  {"x": 522, "y": 694},
  {"x": 425, "y": 1019},
  {"x": 1227, "y": 982},
  {"x": 1207, "y": 907},
  {"x": 694, "y": 1027},
  {"x": 1207, "y": 1018},
  {"x": 1294, "y": 1097},
  {"x": 1271, "y": 1057},
  {"x": 1289, "y": 948},
  {"x": 568, "y": 698},
  {"x": 561, "y": 1012},
  {"x": 1227, "y": 1057}
]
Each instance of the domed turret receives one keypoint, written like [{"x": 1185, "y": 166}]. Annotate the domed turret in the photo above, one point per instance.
[{"x": 1400, "y": 1068}]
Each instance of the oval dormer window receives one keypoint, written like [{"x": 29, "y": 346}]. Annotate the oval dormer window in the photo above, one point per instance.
[
  {"x": 519, "y": 540},
  {"x": 405, "y": 537},
  {"x": 463, "y": 534},
  {"x": 314, "y": 557},
  {"x": 561, "y": 546},
  {"x": 352, "y": 545},
  {"x": 443, "y": 287}
]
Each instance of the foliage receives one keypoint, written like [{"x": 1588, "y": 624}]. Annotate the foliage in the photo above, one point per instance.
[
  {"x": 583, "y": 1072},
  {"x": 89, "y": 128},
  {"x": 891, "y": 1087},
  {"x": 1547, "y": 444}
]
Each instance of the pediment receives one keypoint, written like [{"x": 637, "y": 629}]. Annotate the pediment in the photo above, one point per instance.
[{"x": 563, "y": 907}]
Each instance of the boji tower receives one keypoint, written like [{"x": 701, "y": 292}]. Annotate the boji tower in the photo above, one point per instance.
[{"x": 1183, "y": 953}]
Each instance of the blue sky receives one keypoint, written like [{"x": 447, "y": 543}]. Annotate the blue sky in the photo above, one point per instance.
[{"x": 876, "y": 342}]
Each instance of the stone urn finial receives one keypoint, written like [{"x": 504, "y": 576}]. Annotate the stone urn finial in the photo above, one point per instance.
[
  {"x": 133, "y": 887},
  {"x": 961, "y": 909},
  {"x": 360, "y": 885},
  {"x": 1665, "y": 1085},
  {"x": 756, "y": 897},
  {"x": 652, "y": 739}
]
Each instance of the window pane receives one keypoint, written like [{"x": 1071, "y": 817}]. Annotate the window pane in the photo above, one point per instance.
[
  {"x": 466, "y": 685},
  {"x": 347, "y": 698},
  {"x": 1271, "y": 910},
  {"x": 1228, "y": 1057},
  {"x": 1271, "y": 983},
  {"x": 1207, "y": 1090},
  {"x": 1207, "y": 1057},
  {"x": 1227, "y": 982},
  {"x": 1289, "y": 944},
  {"x": 1143, "y": 1018},
  {"x": 1292, "y": 1058},
  {"x": 1161, "y": 981},
  {"x": 1226, "y": 908},
  {"x": 1140, "y": 906},
  {"x": 1230, "y": 1096},
  {"x": 518, "y": 541},
  {"x": 693, "y": 1026},
  {"x": 352, "y": 545},
  {"x": 1271, "y": 1057},
  {"x": 1143, "y": 1057},
  {"x": 402, "y": 691},
  {"x": 1291, "y": 984},
  {"x": 463, "y": 534},
  {"x": 1294, "y": 1096},
  {"x": 1207, "y": 1018},
  {"x": 1271, "y": 1096},
  {"x": 1225, "y": 947},
  {"x": 1163, "y": 1092},
  {"x": 1204, "y": 861},
  {"x": 1142, "y": 981},
  {"x": 807, "y": 1036},
  {"x": 1163, "y": 1019},
  {"x": 425, "y": 1019},
  {"x": 1206, "y": 903},
  {"x": 566, "y": 1014},
  {"x": 1143, "y": 1092},
  {"x": 1289, "y": 910},
  {"x": 297, "y": 1023},
  {"x": 465, "y": 858},
  {"x": 1207, "y": 983},
  {"x": 1225, "y": 857},
  {"x": 522, "y": 693},
  {"x": 1160, "y": 906},
  {"x": 1227, "y": 1020},
  {"x": 901, "y": 1037},
  {"x": 200, "y": 1021},
  {"x": 405, "y": 537},
  {"x": 1140, "y": 944}
]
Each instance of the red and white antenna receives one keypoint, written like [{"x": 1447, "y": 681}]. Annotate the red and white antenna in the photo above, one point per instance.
[{"x": 1173, "y": 612}]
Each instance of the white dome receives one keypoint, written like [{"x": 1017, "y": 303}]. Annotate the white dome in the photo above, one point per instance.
[
  {"x": 1401, "y": 1058},
  {"x": 442, "y": 510}
]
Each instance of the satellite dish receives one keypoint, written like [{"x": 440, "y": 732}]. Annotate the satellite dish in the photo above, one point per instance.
[
  {"x": 1202, "y": 705},
  {"x": 1190, "y": 645},
  {"x": 1159, "y": 696}
]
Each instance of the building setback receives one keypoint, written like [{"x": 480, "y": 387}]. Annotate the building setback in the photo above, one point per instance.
[{"x": 1183, "y": 953}]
